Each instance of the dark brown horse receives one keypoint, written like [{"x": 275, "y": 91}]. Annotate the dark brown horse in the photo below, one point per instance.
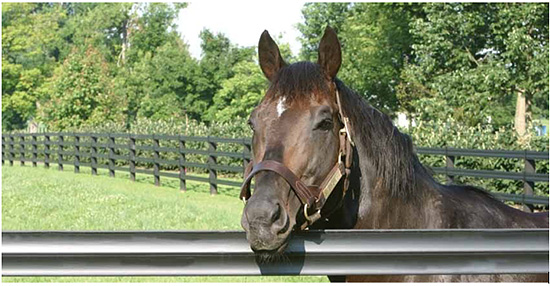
[{"x": 306, "y": 173}]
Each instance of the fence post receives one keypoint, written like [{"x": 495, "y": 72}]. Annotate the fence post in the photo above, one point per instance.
[
  {"x": 76, "y": 153},
  {"x": 3, "y": 149},
  {"x": 528, "y": 186},
  {"x": 132, "y": 147},
  {"x": 93, "y": 157},
  {"x": 47, "y": 149},
  {"x": 246, "y": 150},
  {"x": 156, "y": 156},
  {"x": 111, "y": 154},
  {"x": 59, "y": 151},
  {"x": 183, "y": 185},
  {"x": 22, "y": 150},
  {"x": 449, "y": 164},
  {"x": 12, "y": 151},
  {"x": 212, "y": 161},
  {"x": 34, "y": 150}
]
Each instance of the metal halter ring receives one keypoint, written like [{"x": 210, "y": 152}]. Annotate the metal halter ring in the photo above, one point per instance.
[{"x": 306, "y": 215}]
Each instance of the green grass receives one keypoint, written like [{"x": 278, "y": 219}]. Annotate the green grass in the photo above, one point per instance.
[{"x": 47, "y": 199}]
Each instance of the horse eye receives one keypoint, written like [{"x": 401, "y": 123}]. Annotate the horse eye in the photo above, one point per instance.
[{"x": 326, "y": 124}]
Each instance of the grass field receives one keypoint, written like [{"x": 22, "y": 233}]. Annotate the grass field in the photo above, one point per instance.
[{"x": 47, "y": 199}]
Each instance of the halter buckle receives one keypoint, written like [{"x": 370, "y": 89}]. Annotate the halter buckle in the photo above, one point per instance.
[{"x": 314, "y": 217}]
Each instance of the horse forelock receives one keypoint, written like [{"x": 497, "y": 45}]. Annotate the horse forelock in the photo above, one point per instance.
[{"x": 298, "y": 83}]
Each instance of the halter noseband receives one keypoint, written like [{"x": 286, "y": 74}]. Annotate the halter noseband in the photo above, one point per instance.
[{"x": 312, "y": 197}]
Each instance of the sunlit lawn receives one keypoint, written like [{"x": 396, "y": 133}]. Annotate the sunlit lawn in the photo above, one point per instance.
[{"x": 47, "y": 199}]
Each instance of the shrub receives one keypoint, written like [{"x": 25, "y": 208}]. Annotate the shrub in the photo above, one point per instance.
[{"x": 449, "y": 133}]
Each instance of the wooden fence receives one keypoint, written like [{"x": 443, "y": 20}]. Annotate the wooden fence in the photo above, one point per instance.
[{"x": 172, "y": 156}]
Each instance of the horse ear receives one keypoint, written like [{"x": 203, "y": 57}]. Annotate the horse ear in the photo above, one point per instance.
[
  {"x": 330, "y": 53},
  {"x": 269, "y": 55}
]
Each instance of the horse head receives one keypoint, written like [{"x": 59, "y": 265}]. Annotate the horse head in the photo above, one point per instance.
[{"x": 300, "y": 146}]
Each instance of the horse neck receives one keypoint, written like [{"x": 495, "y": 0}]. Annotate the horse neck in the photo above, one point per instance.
[{"x": 395, "y": 189}]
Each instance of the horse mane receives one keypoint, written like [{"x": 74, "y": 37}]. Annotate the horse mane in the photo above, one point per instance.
[{"x": 390, "y": 151}]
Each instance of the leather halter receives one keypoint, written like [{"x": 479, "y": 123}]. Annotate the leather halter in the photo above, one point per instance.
[{"x": 312, "y": 198}]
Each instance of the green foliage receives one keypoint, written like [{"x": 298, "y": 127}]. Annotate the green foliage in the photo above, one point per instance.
[
  {"x": 40, "y": 38},
  {"x": 92, "y": 65},
  {"x": 239, "y": 94},
  {"x": 219, "y": 57},
  {"x": 238, "y": 128},
  {"x": 80, "y": 91},
  {"x": 29, "y": 45},
  {"x": 244, "y": 87},
  {"x": 19, "y": 89},
  {"x": 99, "y": 25},
  {"x": 467, "y": 61},
  {"x": 169, "y": 79},
  {"x": 154, "y": 28},
  {"x": 453, "y": 134},
  {"x": 471, "y": 59},
  {"x": 316, "y": 17},
  {"x": 377, "y": 41}
]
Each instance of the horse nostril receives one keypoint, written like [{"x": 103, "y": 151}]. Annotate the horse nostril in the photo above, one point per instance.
[{"x": 277, "y": 214}]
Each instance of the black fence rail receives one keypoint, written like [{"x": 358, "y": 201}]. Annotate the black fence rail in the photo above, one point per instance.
[
  {"x": 329, "y": 252},
  {"x": 174, "y": 156}
]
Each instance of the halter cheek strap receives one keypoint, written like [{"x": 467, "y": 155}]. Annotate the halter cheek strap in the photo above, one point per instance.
[{"x": 312, "y": 198}]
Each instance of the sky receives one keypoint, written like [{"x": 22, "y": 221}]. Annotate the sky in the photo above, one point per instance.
[{"x": 241, "y": 22}]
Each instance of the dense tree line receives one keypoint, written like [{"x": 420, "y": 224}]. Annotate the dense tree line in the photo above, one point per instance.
[
  {"x": 473, "y": 63},
  {"x": 73, "y": 64},
  {"x": 84, "y": 64}
]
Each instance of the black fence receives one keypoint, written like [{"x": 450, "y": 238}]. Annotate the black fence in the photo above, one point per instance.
[{"x": 175, "y": 156}]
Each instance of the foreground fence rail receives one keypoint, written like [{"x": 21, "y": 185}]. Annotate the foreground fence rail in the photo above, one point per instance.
[
  {"x": 330, "y": 252},
  {"x": 172, "y": 156}
]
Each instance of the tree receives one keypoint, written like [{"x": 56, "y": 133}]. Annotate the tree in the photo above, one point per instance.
[
  {"x": 81, "y": 92},
  {"x": 521, "y": 33},
  {"x": 219, "y": 56},
  {"x": 239, "y": 94},
  {"x": 169, "y": 79},
  {"x": 375, "y": 42},
  {"x": 39, "y": 38},
  {"x": 29, "y": 43},
  {"x": 316, "y": 17},
  {"x": 98, "y": 24},
  {"x": 152, "y": 27},
  {"x": 470, "y": 60}
]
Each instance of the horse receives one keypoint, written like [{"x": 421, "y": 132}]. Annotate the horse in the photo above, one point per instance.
[{"x": 323, "y": 158}]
